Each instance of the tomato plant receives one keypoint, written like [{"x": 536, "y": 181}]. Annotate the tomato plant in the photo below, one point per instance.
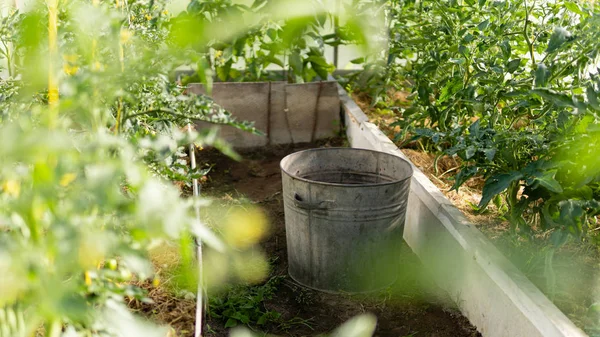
[
  {"x": 509, "y": 87},
  {"x": 294, "y": 45}
]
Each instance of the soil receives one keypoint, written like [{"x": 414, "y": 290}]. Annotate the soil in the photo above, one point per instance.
[{"x": 413, "y": 306}]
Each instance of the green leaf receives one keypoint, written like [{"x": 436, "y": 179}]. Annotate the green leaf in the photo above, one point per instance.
[
  {"x": 231, "y": 323},
  {"x": 223, "y": 72},
  {"x": 474, "y": 129},
  {"x": 559, "y": 99},
  {"x": 459, "y": 60},
  {"x": 558, "y": 38},
  {"x": 241, "y": 317},
  {"x": 513, "y": 65},
  {"x": 541, "y": 75},
  {"x": 258, "y": 4},
  {"x": 463, "y": 175},
  {"x": 205, "y": 74},
  {"x": 428, "y": 67},
  {"x": 470, "y": 152},
  {"x": 506, "y": 49},
  {"x": 547, "y": 180},
  {"x": 273, "y": 59},
  {"x": 558, "y": 238},
  {"x": 359, "y": 60},
  {"x": 573, "y": 7},
  {"x": 320, "y": 65},
  {"x": 489, "y": 154},
  {"x": 296, "y": 63},
  {"x": 483, "y": 25},
  {"x": 592, "y": 97},
  {"x": 516, "y": 93},
  {"x": 451, "y": 88},
  {"x": 571, "y": 214},
  {"x": 321, "y": 71},
  {"x": 496, "y": 184}
]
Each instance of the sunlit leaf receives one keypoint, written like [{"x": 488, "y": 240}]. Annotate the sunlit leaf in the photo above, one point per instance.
[
  {"x": 557, "y": 39},
  {"x": 496, "y": 184},
  {"x": 555, "y": 97},
  {"x": 542, "y": 74},
  {"x": 513, "y": 65},
  {"x": 547, "y": 180}
]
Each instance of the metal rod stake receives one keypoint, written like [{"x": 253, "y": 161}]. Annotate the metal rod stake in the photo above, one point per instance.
[{"x": 201, "y": 298}]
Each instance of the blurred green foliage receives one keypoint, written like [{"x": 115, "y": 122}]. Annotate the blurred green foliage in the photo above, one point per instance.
[{"x": 86, "y": 176}]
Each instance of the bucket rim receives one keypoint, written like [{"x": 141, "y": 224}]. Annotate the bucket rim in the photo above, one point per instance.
[{"x": 410, "y": 166}]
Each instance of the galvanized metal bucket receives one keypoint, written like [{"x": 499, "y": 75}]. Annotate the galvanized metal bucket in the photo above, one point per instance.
[{"x": 344, "y": 217}]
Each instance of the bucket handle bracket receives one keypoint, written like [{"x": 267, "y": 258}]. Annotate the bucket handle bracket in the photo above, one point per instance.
[{"x": 301, "y": 203}]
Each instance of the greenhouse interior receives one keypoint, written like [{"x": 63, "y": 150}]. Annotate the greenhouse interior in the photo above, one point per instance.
[{"x": 326, "y": 168}]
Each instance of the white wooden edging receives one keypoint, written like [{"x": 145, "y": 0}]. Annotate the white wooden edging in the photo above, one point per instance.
[{"x": 489, "y": 290}]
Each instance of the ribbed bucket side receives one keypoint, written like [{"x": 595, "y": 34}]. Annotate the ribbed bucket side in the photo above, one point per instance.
[{"x": 344, "y": 214}]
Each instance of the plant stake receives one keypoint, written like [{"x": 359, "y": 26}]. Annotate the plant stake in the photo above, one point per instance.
[{"x": 201, "y": 299}]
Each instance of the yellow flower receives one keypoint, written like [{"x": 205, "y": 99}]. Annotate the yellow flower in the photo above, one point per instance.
[
  {"x": 67, "y": 178},
  {"x": 148, "y": 17},
  {"x": 165, "y": 12},
  {"x": 156, "y": 281},
  {"x": 87, "y": 278},
  {"x": 97, "y": 66},
  {"x": 69, "y": 66},
  {"x": 70, "y": 70},
  {"x": 125, "y": 35},
  {"x": 12, "y": 188}
]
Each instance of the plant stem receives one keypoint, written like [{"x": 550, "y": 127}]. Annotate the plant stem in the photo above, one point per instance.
[
  {"x": 95, "y": 95},
  {"x": 6, "y": 53},
  {"x": 55, "y": 328},
  {"x": 172, "y": 113},
  {"x": 53, "y": 50},
  {"x": 512, "y": 200},
  {"x": 526, "y": 33},
  {"x": 120, "y": 102},
  {"x": 566, "y": 66},
  {"x": 549, "y": 273}
]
